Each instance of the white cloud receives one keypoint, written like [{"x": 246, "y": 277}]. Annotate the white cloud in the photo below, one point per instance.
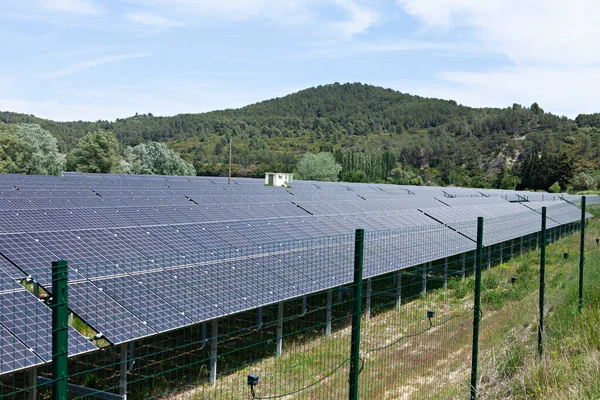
[
  {"x": 154, "y": 20},
  {"x": 71, "y": 6},
  {"x": 360, "y": 18},
  {"x": 81, "y": 66},
  {"x": 551, "y": 44},
  {"x": 356, "y": 16},
  {"x": 529, "y": 32}
]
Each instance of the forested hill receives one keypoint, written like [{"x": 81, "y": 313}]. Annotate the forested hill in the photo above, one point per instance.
[{"x": 438, "y": 140}]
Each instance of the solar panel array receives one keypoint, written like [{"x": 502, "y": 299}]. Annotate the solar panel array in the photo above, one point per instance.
[{"x": 149, "y": 254}]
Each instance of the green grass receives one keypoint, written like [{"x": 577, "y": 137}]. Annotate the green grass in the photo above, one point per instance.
[{"x": 436, "y": 363}]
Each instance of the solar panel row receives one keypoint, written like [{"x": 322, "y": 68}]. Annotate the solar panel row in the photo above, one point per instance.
[{"x": 150, "y": 254}]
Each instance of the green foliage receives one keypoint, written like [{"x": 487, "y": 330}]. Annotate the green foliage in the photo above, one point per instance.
[
  {"x": 588, "y": 120},
  {"x": 371, "y": 131},
  {"x": 43, "y": 156},
  {"x": 156, "y": 158},
  {"x": 554, "y": 188},
  {"x": 319, "y": 167},
  {"x": 29, "y": 149},
  {"x": 12, "y": 152},
  {"x": 583, "y": 181},
  {"x": 98, "y": 151}
]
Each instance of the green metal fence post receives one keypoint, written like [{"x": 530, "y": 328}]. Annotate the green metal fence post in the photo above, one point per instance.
[
  {"x": 581, "y": 253},
  {"x": 542, "y": 284},
  {"x": 60, "y": 321},
  {"x": 359, "y": 245},
  {"x": 477, "y": 308}
]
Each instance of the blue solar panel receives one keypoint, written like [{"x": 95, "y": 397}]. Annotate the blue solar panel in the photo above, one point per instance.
[{"x": 31, "y": 321}]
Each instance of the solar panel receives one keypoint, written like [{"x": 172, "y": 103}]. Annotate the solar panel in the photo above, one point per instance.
[
  {"x": 105, "y": 314},
  {"x": 151, "y": 309},
  {"x": 31, "y": 257},
  {"x": 181, "y": 294},
  {"x": 143, "y": 241},
  {"x": 31, "y": 321},
  {"x": 81, "y": 256},
  {"x": 15, "y": 355}
]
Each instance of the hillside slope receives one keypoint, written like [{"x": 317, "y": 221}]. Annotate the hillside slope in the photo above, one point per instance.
[{"x": 442, "y": 141}]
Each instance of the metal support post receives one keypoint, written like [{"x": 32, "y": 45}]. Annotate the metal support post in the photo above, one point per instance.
[
  {"x": 512, "y": 248},
  {"x": 32, "y": 377},
  {"x": 489, "y": 256},
  {"x": 501, "y": 252},
  {"x": 359, "y": 244},
  {"x": 304, "y": 305},
  {"x": 131, "y": 356},
  {"x": 203, "y": 334},
  {"x": 328, "y": 314},
  {"x": 259, "y": 318},
  {"x": 476, "y": 309},
  {"x": 463, "y": 268},
  {"x": 279, "y": 329},
  {"x": 581, "y": 253},
  {"x": 446, "y": 273},
  {"x": 60, "y": 332},
  {"x": 398, "y": 290},
  {"x": 424, "y": 280},
  {"x": 542, "y": 284},
  {"x": 368, "y": 301},
  {"x": 521, "y": 247},
  {"x": 123, "y": 375},
  {"x": 213, "y": 353}
]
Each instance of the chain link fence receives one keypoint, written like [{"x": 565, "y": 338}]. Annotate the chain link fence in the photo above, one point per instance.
[{"x": 396, "y": 314}]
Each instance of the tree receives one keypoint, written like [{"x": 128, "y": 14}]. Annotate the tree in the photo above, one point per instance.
[
  {"x": 98, "y": 151},
  {"x": 43, "y": 157},
  {"x": 583, "y": 181},
  {"x": 318, "y": 167},
  {"x": 156, "y": 158},
  {"x": 29, "y": 149},
  {"x": 12, "y": 152},
  {"x": 555, "y": 188}
]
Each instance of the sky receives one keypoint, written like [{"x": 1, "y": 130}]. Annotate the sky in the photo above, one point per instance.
[{"x": 108, "y": 59}]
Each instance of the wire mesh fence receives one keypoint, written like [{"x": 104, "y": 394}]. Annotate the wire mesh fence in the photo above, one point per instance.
[{"x": 278, "y": 320}]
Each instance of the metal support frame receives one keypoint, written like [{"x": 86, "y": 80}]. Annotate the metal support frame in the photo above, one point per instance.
[
  {"x": 368, "y": 301},
  {"x": 328, "y": 313},
  {"x": 521, "y": 247},
  {"x": 259, "y": 318},
  {"x": 98, "y": 394},
  {"x": 512, "y": 248},
  {"x": 123, "y": 373},
  {"x": 32, "y": 380},
  {"x": 131, "y": 362},
  {"x": 463, "y": 266},
  {"x": 446, "y": 273},
  {"x": 489, "y": 257},
  {"x": 213, "y": 352},
  {"x": 424, "y": 280},
  {"x": 501, "y": 252},
  {"x": 398, "y": 290},
  {"x": 304, "y": 306},
  {"x": 203, "y": 335},
  {"x": 279, "y": 329}
]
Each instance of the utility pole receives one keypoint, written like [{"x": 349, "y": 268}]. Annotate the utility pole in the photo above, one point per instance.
[{"x": 229, "y": 178}]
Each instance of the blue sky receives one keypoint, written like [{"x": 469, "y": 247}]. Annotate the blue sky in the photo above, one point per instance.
[{"x": 93, "y": 59}]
